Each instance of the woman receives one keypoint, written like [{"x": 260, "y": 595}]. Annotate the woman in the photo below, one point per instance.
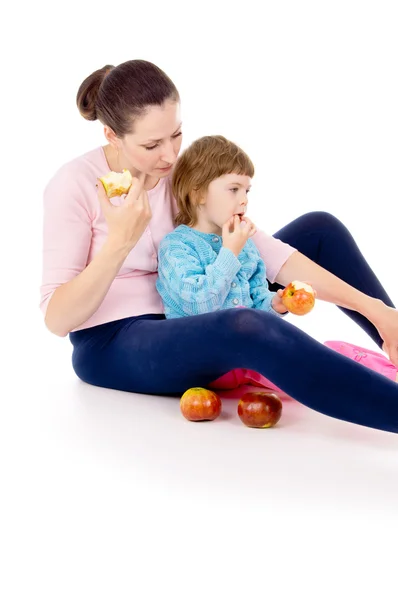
[{"x": 100, "y": 263}]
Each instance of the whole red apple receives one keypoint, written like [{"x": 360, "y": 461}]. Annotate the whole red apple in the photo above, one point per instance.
[
  {"x": 199, "y": 404},
  {"x": 260, "y": 409},
  {"x": 298, "y": 298}
]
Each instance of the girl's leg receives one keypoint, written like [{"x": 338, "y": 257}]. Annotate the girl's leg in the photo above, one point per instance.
[
  {"x": 169, "y": 356},
  {"x": 326, "y": 241}
]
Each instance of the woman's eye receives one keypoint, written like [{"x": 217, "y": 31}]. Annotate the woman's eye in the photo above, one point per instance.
[
  {"x": 156, "y": 145},
  {"x": 234, "y": 189}
]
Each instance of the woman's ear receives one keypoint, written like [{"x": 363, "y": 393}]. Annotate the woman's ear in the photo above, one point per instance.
[{"x": 111, "y": 136}]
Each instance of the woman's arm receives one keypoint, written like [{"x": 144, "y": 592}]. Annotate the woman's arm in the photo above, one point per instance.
[
  {"x": 72, "y": 291},
  {"x": 285, "y": 264},
  {"x": 332, "y": 289},
  {"x": 77, "y": 300},
  {"x": 328, "y": 287}
]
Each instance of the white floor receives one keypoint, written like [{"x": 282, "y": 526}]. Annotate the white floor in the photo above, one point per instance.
[{"x": 116, "y": 495}]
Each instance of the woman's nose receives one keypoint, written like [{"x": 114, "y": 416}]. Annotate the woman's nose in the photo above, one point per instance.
[{"x": 169, "y": 155}]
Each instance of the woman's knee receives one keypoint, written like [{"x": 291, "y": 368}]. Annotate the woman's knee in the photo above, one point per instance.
[
  {"x": 322, "y": 220},
  {"x": 251, "y": 322}
]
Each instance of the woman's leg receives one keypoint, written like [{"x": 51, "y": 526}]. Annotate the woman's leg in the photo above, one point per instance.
[
  {"x": 169, "y": 356},
  {"x": 326, "y": 241}
]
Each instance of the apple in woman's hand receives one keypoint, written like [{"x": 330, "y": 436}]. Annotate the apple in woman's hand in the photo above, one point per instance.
[
  {"x": 199, "y": 404},
  {"x": 298, "y": 298},
  {"x": 260, "y": 409},
  {"x": 117, "y": 184}
]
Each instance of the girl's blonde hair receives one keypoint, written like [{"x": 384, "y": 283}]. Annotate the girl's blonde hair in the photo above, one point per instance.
[{"x": 205, "y": 160}]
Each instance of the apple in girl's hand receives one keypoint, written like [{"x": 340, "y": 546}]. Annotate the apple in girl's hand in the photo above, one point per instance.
[
  {"x": 117, "y": 184},
  {"x": 298, "y": 298},
  {"x": 260, "y": 409},
  {"x": 199, "y": 404}
]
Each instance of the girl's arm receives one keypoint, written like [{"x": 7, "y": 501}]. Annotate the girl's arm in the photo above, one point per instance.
[
  {"x": 263, "y": 298},
  {"x": 189, "y": 286}
]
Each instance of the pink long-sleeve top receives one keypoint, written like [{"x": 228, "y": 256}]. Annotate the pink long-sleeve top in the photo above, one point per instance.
[{"x": 75, "y": 229}]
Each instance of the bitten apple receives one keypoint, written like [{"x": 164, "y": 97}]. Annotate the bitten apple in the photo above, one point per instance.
[
  {"x": 260, "y": 409},
  {"x": 117, "y": 184},
  {"x": 298, "y": 298},
  {"x": 199, "y": 404}
]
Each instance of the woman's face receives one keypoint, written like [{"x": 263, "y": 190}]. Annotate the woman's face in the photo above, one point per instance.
[{"x": 154, "y": 146}]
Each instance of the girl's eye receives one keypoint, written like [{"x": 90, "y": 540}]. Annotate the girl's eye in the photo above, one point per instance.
[
  {"x": 156, "y": 145},
  {"x": 234, "y": 189}
]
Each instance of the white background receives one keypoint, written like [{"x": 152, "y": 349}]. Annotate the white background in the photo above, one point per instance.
[{"x": 112, "y": 495}]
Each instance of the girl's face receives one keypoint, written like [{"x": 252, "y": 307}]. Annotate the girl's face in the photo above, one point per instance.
[
  {"x": 225, "y": 197},
  {"x": 154, "y": 146}
]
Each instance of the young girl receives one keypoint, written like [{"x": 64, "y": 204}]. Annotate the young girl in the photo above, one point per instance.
[{"x": 209, "y": 262}]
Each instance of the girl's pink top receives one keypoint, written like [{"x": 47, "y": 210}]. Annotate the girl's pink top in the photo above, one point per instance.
[{"x": 75, "y": 230}]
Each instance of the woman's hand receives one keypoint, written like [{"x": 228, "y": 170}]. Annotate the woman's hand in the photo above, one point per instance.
[
  {"x": 236, "y": 232},
  {"x": 386, "y": 322},
  {"x": 127, "y": 222}
]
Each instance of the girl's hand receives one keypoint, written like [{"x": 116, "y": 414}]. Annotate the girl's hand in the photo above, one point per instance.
[
  {"x": 277, "y": 303},
  {"x": 236, "y": 232},
  {"x": 127, "y": 222}
]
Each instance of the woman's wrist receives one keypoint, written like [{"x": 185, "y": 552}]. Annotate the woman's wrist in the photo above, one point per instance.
[
  {"x": 118, "y": 250},
  {"x": 377, "y": 312},
  {"x": 369, "y": 307}
]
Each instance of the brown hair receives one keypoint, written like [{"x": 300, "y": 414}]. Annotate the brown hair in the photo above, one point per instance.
[
  {"x": 118, "y": 95},
  {"x": 205, "y": 160}
]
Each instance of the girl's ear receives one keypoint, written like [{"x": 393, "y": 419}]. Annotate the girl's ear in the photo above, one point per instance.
[{"x": 198, "y": 199}]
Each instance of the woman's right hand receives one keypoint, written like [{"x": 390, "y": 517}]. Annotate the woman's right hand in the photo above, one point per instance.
[
  {"x": 236, "y": 232},
  {"x": 127, "y": 222}
]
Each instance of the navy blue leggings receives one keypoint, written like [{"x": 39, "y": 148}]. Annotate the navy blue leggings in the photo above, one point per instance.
[{"x": 152, "y": 355}]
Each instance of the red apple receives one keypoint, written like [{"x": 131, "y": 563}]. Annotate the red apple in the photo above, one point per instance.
[
  {"x": 260, "y": 409},
  {"x": 298, "y": 298},
  {"x": 199, "y": 404}
]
